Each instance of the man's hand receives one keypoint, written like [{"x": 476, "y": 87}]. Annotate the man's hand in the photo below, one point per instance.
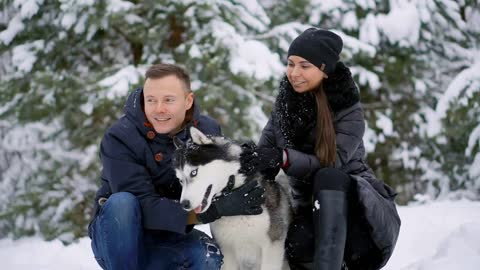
[{"x": 246, "y": 200}]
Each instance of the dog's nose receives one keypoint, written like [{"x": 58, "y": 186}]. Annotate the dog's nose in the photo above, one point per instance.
[{"x": 186, "y": 204}]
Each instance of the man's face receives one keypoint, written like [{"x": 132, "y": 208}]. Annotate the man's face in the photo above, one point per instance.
[{"x": 166, "y": 102}]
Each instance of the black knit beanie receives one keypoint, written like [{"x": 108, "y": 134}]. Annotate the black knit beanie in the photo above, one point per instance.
[{"x": 320, "y": 47}]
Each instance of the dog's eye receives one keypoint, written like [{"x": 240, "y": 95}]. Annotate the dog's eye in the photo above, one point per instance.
[{"x": 193, "y": 173}]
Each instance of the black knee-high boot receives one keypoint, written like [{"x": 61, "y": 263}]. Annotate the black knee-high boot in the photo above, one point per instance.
[{"x": 330, "y": 212}]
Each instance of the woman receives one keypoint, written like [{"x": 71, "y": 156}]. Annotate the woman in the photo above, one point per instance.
[{"x": 343, "y": 215}]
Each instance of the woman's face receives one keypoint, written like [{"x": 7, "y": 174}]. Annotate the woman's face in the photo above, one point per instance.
[{"x": 303, "y": 75}]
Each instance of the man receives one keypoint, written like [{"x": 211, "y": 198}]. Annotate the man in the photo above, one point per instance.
[{"x": 139, "y": 222}]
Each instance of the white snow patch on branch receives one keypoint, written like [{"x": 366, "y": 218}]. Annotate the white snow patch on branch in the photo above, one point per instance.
[
  {"x": 385, "y": 124},
  {"x": 10, "y": 104},
  {"x": 401, "y": 24},
  {"x": 461, "y": 81},
  {"x": 370, "y": 139},
  {"x": 255, "y": 14},
  {"x": 250, "y": 57},
  {"x": 474, "y": 171},
  {"x": 285, "y": 33},
  {"x": 350, "y": 21},
  {"x": 119, "y": 83},
  {"x": 255, "y": 59},
  {"x": 369, "y": 31},
  {"x": 68, "y": 19},
  {"x": 87, "y": 108},
  {"x": 28, "y": 8},
  {"x": 115, "y": 6},
  {"x": 327, "y": 6},
  {"x": 24, "y": 56},
  {"x": 80, "y": 26},
  {"x": 366, "y": 4},
  {"x": 458, "y": 84},
  {"x": 194, "y": 51},
  {"x": 258, "y": 117},
  {"x": 355, "y": 45},
  {"x": 75, "y": 4},
  {"x": 14, "y": 27},
  {"x": 366, "y": 77},
  {"x": 473, "y": 140}
]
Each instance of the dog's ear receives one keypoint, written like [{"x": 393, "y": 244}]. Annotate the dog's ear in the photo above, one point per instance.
[
  {"x": 177, "y": 142},
  {"x": 198, "y": 137}
]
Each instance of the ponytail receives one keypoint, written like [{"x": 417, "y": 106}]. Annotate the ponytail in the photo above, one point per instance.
[{"x": 325, "y": 141}]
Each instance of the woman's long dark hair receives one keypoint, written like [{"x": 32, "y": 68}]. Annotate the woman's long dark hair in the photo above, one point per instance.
[{"x": 325, "y": 143}]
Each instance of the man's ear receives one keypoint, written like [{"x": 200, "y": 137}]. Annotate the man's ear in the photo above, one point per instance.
[
  {"x": 189, "y": 101},
  {"x": 198, "y": 137}
]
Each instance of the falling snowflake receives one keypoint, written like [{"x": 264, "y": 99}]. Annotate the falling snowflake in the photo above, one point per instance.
[{"x": 316, "y": 205}]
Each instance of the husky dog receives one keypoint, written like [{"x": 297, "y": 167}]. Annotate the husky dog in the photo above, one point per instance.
[{"x": 208, "y": 165}]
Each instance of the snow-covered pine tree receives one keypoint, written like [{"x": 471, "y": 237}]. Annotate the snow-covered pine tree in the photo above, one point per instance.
[
  {"x": 67, "y": 67},
  {"x": 396, "y": 30},
  {"x": 49, "y": 127},
  {"x": 451, "y": 131}
]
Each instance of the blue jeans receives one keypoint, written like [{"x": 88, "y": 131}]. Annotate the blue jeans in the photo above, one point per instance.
[{"x": 120, "y": 242}]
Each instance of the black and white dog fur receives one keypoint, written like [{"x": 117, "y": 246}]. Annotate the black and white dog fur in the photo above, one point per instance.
[{"x": 206, "y": 166}]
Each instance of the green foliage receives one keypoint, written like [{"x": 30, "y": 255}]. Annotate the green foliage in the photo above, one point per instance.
[
  {"x": 287, "y": 11},
  {"x": 57, "y": 109},
  {"x": 456, "y": 163}
]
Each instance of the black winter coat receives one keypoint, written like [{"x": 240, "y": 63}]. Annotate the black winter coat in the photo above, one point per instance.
[
  {"x": 375, "y": 200},
  {"x": 137, "y": 160}
]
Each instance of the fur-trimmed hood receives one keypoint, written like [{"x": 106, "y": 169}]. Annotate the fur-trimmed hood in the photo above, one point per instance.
[{"x": 340, "y": 88}]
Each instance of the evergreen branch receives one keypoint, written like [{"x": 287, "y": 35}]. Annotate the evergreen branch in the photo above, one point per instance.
[
  {"x": 264, "y": 97},
  {"x": 375, "y": 106},
  {"x": 135, "y": 46},
  {"x": 87, "y": 55}
]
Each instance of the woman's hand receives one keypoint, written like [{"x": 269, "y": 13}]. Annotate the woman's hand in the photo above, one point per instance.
[{"x": 258, "y": 159}]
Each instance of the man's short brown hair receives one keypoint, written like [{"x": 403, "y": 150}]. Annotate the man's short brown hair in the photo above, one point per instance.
[{"x": 163, "y": 70}]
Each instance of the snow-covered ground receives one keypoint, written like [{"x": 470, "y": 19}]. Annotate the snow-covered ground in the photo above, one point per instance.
[{"x": 436, "y": 236}]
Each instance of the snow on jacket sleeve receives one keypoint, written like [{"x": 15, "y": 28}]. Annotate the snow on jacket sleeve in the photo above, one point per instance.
[{"x": 125, "y": 173}]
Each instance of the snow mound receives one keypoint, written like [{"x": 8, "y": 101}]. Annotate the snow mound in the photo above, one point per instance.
[
  {"x": 434, "y": 236},
  {"x": 460, "y": 247}
]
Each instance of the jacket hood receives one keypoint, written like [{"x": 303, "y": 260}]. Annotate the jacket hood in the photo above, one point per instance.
[
  {"x": 340, "y": 88},
  {"x": 133, "y": 110}
]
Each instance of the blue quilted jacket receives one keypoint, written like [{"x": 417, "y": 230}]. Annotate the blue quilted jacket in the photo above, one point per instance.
[{"x": 135, "y": 159}]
